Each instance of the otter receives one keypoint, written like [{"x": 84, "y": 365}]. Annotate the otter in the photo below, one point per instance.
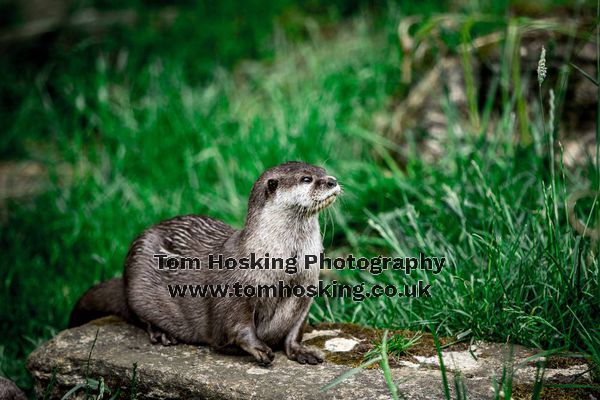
[{"x": 282, "y": 221}]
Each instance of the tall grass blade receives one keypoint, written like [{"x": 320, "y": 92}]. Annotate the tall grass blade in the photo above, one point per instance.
[
  {"x": 438, "y": 350},
  {"x": 336, "y": 381},
  {"x": 385, "y": 366}
]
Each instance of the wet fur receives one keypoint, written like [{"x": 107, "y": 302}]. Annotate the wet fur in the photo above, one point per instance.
[{"x": 282, "y": 220}]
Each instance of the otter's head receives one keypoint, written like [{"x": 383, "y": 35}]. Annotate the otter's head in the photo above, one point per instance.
[{"x": 295, "y": 187}]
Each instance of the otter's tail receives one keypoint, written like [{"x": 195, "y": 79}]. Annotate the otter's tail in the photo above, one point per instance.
[{"x": 106, "y": 298}]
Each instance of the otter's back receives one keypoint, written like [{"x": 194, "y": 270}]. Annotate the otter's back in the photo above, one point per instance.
[
  {"x": 146, "y": 287},
  {"x": 188, "y": 235}
]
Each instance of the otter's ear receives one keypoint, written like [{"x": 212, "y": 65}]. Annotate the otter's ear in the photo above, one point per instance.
[{"x": 272, "y": 185}]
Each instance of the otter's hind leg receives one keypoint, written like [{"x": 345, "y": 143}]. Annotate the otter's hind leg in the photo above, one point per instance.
[{"x": 157, "y": 335}]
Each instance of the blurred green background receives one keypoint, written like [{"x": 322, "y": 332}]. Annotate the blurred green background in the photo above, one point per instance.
[{"x": 116, "y": 115}]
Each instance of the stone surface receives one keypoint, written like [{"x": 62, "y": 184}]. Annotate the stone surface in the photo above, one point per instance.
[
  {"x": 10, "y": 391},
  {"x": 196, "y": 372}
]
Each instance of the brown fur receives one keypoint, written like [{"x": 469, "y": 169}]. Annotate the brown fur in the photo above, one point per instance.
[
  {"x": 106, "y": 298},
  {"x": 282, "y": 221}
]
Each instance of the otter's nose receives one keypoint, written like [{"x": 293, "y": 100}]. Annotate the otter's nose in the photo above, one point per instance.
[{"x": 331, "y": 182}]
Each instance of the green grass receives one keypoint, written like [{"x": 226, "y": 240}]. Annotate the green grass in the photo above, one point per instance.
[
  {"x": 396, "y": 346},
  {"x": 144, "y": 148}
]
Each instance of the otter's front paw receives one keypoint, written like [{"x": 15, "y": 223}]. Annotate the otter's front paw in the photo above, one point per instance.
[
  {"x": 262, "y": 353},
  {"x": 304, "y": 355}
]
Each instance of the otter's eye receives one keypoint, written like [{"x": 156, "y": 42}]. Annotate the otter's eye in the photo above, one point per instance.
[{"x": 306, "y": 179}]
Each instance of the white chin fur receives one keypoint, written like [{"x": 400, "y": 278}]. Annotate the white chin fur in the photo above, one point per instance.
[
  {"x": 300, "y": 197},
  {"x": 320, "y": 205}
]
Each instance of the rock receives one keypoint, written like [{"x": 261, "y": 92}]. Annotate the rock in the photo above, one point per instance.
[
  {"x": 337, "y": 345},
  {"x": 197, "y": 372},
  {"x": 10, "y": 391}
]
